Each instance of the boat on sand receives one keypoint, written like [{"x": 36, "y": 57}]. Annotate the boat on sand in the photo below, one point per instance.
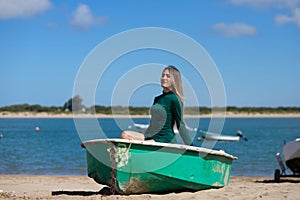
[
  {"x": 291, "y": 155},
  {"x": 130, "y": 166}
]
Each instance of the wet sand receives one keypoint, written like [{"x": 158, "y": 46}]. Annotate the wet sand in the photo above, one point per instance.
[{"x": 83, "y": 187}]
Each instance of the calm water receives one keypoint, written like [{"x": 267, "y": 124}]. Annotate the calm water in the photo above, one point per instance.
[{"x": 55, "y": 149}]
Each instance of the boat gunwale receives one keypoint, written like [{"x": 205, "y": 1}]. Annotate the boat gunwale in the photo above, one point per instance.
[
  {"x": 160, "y": 144},
  {"x": 297, "y": 140}
]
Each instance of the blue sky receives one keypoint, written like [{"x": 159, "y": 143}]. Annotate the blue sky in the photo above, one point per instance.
[{"x": 254, "y": 43}]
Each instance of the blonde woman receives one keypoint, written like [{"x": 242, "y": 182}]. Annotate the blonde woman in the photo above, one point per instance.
[{"x": 166, "y": 111}]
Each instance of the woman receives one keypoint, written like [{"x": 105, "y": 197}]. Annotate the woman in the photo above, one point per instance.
[{"x": 166, "y": 111}]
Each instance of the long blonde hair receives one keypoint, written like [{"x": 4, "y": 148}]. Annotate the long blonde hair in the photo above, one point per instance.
[{"x": 176, "y": 82}]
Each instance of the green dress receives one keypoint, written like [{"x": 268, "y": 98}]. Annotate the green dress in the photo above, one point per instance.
[{"x": 165, "y": 111}]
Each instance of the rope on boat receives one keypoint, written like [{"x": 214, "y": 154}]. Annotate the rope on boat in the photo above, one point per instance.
[
  {"x": 113, "y": 182},
  {"x": 119, "y": 157}
]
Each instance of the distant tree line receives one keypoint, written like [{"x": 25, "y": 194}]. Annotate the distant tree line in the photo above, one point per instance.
[
  {"x": 30, "y": 108},
  {"x": 75, "y": 105},
  {"x": 263, "y": 109}
]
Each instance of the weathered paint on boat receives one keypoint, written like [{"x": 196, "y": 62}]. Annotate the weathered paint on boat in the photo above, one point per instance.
[{"x": 129, "y": 166}]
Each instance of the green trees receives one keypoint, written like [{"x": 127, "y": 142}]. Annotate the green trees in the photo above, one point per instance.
[
  {"x": 29, "y": 108},
  {"x": 74, "y": 104}
]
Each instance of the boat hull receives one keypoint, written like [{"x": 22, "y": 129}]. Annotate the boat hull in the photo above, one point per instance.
[
  {"x": 145, "y": 167},
  {"x": 291, "y": 153}
]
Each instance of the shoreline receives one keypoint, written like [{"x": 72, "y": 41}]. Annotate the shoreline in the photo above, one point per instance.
[
  {"x": 63, "y": 115},
  {"x": 83, "y": 187}
]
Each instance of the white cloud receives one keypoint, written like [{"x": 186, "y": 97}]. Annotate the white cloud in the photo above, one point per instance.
[
  {"x": 83, "y": 18},
  {"x": 291, "y": 6},
  {"x": 234, "y": 30},
  {"x": 280, "y": 4},
  {"x": 294, "y": 18},
  {"x": 22, "y": 9}
]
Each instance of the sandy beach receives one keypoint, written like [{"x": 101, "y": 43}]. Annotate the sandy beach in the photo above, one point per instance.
[
  {"x": 83, "y": 187},
  {"x": 70, "y": 115}
]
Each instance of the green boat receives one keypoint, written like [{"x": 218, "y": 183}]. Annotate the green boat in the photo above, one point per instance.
[{"x": 132, "y": 167}]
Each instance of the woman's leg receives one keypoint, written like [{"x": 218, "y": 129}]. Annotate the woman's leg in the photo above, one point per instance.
[{"x": 132, "y": 135}]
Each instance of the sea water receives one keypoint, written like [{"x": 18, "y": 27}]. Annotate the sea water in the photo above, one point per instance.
[{"x": 55, "y": 148}]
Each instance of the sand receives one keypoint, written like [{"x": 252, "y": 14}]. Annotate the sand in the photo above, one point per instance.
[
  {"x": 70, "y": 115},
  {"x": 83, "y": 187}
]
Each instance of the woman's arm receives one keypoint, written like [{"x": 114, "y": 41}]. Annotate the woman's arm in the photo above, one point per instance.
[{"x": 177, "y": 113}]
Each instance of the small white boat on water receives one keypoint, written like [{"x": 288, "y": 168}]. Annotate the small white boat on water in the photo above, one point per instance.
[
  {"x": 142, "y": 128},
  {"x": 291, "y": 155},
  {"x": 218, "y": 137},
  {"x": 206, "y": 135}
]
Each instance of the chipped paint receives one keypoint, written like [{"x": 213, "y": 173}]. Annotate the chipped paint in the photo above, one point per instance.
[
  {"x": 227, "y": 176},
  {"x": 217, "y": 184},
  {"x": 218, "y": 168},
  {"x": 135, "y": 185}
]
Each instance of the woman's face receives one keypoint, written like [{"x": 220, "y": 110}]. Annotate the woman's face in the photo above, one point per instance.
[{"x": 165, "y": 80}]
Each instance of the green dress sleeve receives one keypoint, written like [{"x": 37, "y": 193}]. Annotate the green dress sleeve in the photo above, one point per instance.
[{"x": 178, "y": 116}]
